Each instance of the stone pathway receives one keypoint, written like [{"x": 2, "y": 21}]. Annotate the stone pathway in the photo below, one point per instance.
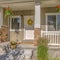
[
  {"x": 27, "y": 59},
  {"x": 30, "y": 59}
]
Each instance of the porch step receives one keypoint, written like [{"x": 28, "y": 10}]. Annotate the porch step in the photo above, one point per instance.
[
  {"x": 27, "y": 40},
  {"x": 28, "y": 46},
  {"x": 55, "y": 47}
]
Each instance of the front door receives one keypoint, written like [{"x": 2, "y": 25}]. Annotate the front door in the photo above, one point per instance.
[{"x": 15, "y": 28}]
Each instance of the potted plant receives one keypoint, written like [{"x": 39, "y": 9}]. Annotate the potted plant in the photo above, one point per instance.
[{"x": 13, "y": 44}]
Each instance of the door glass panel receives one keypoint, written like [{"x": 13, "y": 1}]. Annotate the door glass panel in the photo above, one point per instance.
[
  {"x": 51, "y": 22},
  {"x": 58, "y": 22},
  {"x": 15, "y": 23}
]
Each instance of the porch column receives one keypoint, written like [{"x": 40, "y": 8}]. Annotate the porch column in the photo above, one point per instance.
[{"x": 37, "y": 24}]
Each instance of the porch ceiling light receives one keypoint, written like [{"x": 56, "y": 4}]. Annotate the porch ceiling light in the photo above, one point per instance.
[{"x": 58, "y": 8}]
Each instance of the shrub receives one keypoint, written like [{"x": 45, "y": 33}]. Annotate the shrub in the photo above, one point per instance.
[
  {"x": 42, "y": 50},
  {"x": 53, "y": 58}
]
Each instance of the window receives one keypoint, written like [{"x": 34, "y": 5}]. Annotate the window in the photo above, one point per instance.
[
  {"x": 15, "y": 23},
  {"x": 58, "y": 22},
  {"x": 53, "y": 22}
]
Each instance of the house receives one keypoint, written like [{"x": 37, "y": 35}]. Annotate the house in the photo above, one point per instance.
[{"x": 31, "y": 19}]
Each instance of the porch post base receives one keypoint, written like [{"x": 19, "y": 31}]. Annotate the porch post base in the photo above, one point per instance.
[{"x": 37, "y": 35}]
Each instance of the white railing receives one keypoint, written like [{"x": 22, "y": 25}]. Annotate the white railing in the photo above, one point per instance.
[{"x": 52, "y": 36}]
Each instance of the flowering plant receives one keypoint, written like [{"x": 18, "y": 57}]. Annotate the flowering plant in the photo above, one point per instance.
[
  {"x": 7, "y": 11},
  {"x": 58, "y": 8},
  {"x": 13, "y": 44}
]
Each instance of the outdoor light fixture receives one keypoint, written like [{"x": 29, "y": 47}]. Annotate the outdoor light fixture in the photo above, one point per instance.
[{"x": 58, "y": 8}]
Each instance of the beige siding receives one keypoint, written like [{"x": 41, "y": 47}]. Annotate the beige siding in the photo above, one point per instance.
[
  {"x": 21, "y": 33},
  {"x": 45, "y": 10},
  {"x": 5, "y": 19},
  {"x": 14, "y": 13}
]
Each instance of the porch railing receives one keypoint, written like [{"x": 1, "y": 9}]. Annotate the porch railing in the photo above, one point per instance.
[{"x": 52, "y": 36}]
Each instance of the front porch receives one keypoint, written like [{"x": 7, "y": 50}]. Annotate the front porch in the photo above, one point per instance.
[
  {"x": 25, "y": 33},
  {"x": 36, "y": 12}
]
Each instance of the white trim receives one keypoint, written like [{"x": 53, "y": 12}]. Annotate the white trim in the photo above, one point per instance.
[
  {"x": 37, "y": 16},
  {"x": 50, "y": 32},
  {"x": 53, "y": 44},
  {"x": 15, "y": 30},
  {"x": 52, "y": 13}
]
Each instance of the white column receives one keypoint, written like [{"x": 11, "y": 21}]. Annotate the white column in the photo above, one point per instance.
[
  {"x": 37, "y": 16},
  {"x": 1, "y": 17}
]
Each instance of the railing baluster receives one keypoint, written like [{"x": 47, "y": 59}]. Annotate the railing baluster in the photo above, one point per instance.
[
  {"x": 50, "y": 39},
  {"x": 52, "y": 36},
  {"x": 58, "y": 39},
  {"x": 55, "y": 38}
]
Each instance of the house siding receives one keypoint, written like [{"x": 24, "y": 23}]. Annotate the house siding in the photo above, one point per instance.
[
  {"x": 21, "y": 13},
  {"x": 45, "y": 10}
]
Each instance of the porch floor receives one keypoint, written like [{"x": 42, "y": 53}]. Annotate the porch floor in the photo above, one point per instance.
[
  {"x": 30, "y": 59},
  {"x": 33, "y": 57}
]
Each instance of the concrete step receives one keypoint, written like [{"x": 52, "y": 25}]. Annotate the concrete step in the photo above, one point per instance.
[
  {"x": 54, "y": 47},
  {"x": 28, "y": 46},
  {"x": 27, "y": 40}
]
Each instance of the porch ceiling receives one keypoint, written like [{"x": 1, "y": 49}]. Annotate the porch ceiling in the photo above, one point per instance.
[
  {"x": 50, "y": 3},
  {"x": 27, "y": 4},
  {"x": 18, "y": 4}
]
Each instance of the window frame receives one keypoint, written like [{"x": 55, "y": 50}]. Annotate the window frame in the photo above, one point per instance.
[
  {"x": 46, "y": 15},
  {"x": 11, "y": 23}
]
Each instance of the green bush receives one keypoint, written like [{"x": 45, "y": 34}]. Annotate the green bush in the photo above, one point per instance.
[
  {"x": 42, "y": 50},
  {"x": 54, "y": 58}
]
